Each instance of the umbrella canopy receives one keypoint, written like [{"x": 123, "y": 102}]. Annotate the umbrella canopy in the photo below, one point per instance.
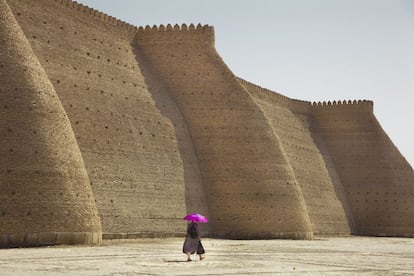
[{"x": 196, "y": 217}]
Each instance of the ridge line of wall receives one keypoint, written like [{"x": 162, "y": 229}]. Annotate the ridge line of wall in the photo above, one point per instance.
[
  {"x": 265, "y": 90},
  {"x": 117, "y": 22},
  {"x": 314, "y": 103},
  {"x": 98, "y": 14}
]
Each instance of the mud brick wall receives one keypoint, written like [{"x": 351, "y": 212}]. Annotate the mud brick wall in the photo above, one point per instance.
[
  {"x": 322, "y": 190},
  {"x": 378, "y": 181},
  {"x": 45, "y": 194},
  {"x": 130, "y": 146},
  {"x": 114, "y": 131},
  {"x": 252, "y": 192}
]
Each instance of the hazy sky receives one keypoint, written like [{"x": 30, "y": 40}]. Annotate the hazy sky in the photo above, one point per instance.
[{"x": 311, "y": 50}]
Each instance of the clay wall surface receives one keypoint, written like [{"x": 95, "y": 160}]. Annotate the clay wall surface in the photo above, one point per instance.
[
  {"x": 251, "y": 189},
  {"x": 322, "y": 191},
  {"x": 377, "y": 179},
  {"x": 45, "y": 194},
  {"x": 132, "y": 151},
  {"x": 109, "y": 128}
]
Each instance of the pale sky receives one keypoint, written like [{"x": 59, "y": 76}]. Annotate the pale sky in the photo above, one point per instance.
[{"x": 314, "y": 50}]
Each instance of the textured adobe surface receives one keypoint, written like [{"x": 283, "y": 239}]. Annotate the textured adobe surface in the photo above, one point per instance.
[
  {"x": 320, "y": 186},
  {"x": 45, "y": 193},
  {"x": 251, "y": 187},
  {"x": 113, "y": 129}
]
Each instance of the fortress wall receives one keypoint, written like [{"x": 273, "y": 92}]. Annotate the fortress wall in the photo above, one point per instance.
[
  {"x": 251, "y": 189},
  {"x": 322, "y": 190},
  {"x": 377, "y": 179},
  {"x": 45, "y": 195},
  {"x": 130, "y": 148}
]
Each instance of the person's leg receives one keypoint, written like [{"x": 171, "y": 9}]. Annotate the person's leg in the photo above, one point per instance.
[
  {"x": 200, "y": 251},
  {"x": 188, "y": 256}
]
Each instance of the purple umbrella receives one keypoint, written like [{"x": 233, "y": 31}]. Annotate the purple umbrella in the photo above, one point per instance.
[{"x": 196, "y": 217}]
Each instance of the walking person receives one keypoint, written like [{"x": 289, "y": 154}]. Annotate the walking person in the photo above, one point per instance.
[{"x": 192, "y": 243}]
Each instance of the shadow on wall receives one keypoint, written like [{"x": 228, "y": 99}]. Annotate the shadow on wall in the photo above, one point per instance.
[
  {"x": 335, "y": 179},
  {"x": 195, "y": 195}
]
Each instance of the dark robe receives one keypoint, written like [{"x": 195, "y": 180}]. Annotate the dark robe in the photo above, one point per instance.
[{"x": 193, "y": 245}]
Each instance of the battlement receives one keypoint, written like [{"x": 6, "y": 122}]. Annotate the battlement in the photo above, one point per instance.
[
  {"x": 344, "y": 102},
  {"x": 354, "y": 105},
  {"x": 190, "y": 33},
  {"x": 176, "y": 27},
  {"x": 176, "y": 33}
]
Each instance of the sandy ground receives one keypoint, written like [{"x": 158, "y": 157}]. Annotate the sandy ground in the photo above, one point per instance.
[{"x": 323, "y": 256}]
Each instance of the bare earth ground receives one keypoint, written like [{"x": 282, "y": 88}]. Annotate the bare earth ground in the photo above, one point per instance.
[{"x": 322, "y": 256}]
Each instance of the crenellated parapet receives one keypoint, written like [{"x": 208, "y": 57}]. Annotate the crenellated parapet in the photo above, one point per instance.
[
  {"x": 343, "y": 102},
  {"x": 176, "y": 34},
  {"x": 97, "y": 14},
  {"x": 344, "y": 105},
  {"x": 176, "y": 27}
]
